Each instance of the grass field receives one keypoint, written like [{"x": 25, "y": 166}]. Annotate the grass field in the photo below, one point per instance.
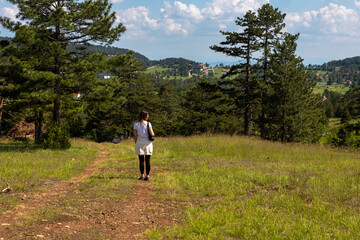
[
  {"x": 241, "y": 188},
  {"x": 26, "y": 166},
  {"x": 152, "y": 70},
  {"x": 335, "y": 87},
  {"x": 319, "y": 88},
  {"x": 227, "y": 187}
]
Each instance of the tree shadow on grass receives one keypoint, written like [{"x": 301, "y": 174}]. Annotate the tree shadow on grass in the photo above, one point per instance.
[{"x": 18, "y": 147}]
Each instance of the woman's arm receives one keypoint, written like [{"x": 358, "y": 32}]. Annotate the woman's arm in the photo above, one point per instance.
[
  {"x": 135, "y": 135},
  {"x": 151, "y": 131}
]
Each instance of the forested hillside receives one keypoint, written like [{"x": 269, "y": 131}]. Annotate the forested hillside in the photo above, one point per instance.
[
  {"x": 179, "y": 63},
  {"x": 346, "y": 71},
  {"x": 269, "y": 93},
  {"x": 342, "y": 63},
  {"x": 110, "y": 50}
]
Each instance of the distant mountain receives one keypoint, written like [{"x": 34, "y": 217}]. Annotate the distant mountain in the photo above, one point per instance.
[
  {"x": 174, "y": 62},
  {"x": 109, "y": 50},
  {"x": 5, "y": 38},
  {"x": 167, "y": 62},
  {"x": 343, "y": 63}
]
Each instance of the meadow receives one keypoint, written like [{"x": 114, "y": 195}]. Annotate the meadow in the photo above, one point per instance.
[
  {"x": 227, "y": 187},
  {"x": 152, "y": 70},
  {"x": 243, "y": 188},
  {"x": 335, "y": 87},
  {"x": 27, "y": 166}
]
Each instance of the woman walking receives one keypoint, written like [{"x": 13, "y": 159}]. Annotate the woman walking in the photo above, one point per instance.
[{"x": 143, "y": 146}]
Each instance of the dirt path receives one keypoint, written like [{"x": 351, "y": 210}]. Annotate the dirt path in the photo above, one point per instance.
[
  {"x": 124, "y": 219},
  {"x": 141, "y": 211},
  {"x": 53, "y": 190}
]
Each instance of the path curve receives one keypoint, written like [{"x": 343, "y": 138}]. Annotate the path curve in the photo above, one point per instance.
[
  {"x": 127, "y": 219},
  {"x": 55, "y": 189}
]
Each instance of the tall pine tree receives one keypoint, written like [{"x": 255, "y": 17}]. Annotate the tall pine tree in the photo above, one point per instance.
[
  {"x": 242, "y": 45},
  {"x": 271, "y": 23},
  {"x": 43, "y": 32},
  {"x": 114, "y": 105},
  {"x": 293, "y": 113}
]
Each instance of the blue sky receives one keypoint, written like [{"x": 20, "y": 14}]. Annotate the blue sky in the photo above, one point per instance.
[{"x": 329, "y": 29}]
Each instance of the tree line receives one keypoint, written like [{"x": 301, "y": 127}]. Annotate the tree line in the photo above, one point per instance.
[
  {"x": 269, "y": 94},
  {"x": 346, "y": 71}
]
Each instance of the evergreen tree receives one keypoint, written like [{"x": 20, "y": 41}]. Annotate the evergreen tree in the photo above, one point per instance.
[
  {"x": 4, "y": 91},
  {"x": 208, "y": 110},
  {"x": 168, "y": 111},
  {"x": 113, "y": 106},
  {"x": 50, "y": 27},
  {"x": 293, "y": 113},
  {"x": 271, "y": 23},
  {"x": 243, "y": 45},
  {"x": 352, "y": 99}
]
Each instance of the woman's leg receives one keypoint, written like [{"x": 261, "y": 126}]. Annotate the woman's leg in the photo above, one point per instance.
[
  {"x": 141, "y": 165},
  {"x": 147, "y": 162}
]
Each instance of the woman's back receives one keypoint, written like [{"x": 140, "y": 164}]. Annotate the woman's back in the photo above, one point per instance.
[{"x": 142, "y": 129}]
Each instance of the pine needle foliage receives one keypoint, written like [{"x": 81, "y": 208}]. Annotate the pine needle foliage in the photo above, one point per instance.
[{"x": 43, "y": 31}]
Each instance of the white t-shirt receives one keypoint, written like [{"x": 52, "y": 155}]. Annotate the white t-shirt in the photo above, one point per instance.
[{"x": 141, "y": 129}]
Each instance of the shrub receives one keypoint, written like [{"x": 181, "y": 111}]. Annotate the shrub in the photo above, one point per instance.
[
  {"x": 343, "y": 137},
  {"x": 57, "y": 137}
]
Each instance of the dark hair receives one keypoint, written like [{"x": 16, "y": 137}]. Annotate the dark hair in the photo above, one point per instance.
[{"x": 142, "y": 116}]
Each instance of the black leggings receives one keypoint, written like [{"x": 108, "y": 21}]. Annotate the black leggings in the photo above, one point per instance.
[{"x": 143, "y": 159}]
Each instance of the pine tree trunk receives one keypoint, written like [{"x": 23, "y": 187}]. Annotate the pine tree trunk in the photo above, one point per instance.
[
  {"x": 57, "y": 101},
  {"x": 282, "y": 131},
  {"x": 38, "y": 127},
  {"x": 262, "y": 116},
  {"x": 1, "y": 112},
  {"x": 57, "y": 111},
  {"x": 247, "y": 91},
  {"x": 246, "y": 121}
]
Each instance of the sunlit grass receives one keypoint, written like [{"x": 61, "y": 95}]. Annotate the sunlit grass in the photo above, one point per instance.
[
  {"x": 243, "y": 188},
  {"x": 228, "y": 187},
  {"x": 118, "y": 173},
  {"x": 25, "y": 166},
  {"x": 335, "y": 87}
]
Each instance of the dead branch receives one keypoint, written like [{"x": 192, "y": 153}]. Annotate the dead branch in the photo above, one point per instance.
[{"x": 7, "y": 189}]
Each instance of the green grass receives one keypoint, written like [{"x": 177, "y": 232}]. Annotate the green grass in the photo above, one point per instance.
[
  {"x": 25, "y": 166},
  {"x": 243, "y": 188},
  {"x": 152, "y": 70},
  {"x": 335, "y": 87},
  {"x": 103, "y": 189},
  {"x": 228, "y": 187},
  {"x": 117, "y": 175}
]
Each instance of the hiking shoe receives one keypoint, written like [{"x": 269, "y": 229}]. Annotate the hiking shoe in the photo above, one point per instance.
[{"x": 146, "y": 179}]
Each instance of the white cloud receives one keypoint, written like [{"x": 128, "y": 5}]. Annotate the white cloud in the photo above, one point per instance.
[
  {"x": 139, "y": 24},
  {"x": 10, "y": 12},
  {"x": 117, "y": 1},
  {"x": 222, "y": 26},
  {"x": 179, "y": 9},
  {"x": 137, "y": 21},
  {"x": 357, "y": 3},
  {"x": 171, "y": 27},
  {"x": 331, "y": 19},
  {"x": 186, "y": 17},
  {"x": 231, "y": 8},
  {"x": 138, "y": 15}
]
